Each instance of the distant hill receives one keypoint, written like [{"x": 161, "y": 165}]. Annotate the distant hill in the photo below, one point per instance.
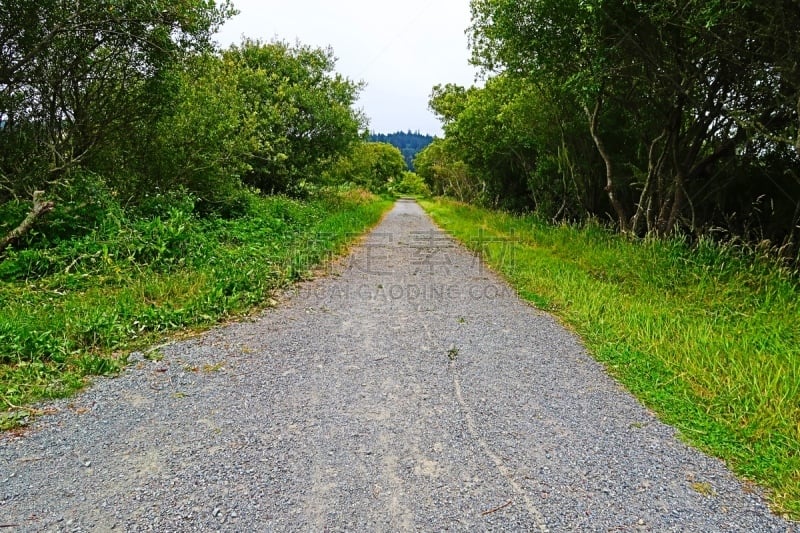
[{"x": 408, "y": 143}]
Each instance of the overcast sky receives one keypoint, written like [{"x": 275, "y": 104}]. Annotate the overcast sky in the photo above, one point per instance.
[{"x": 400, "y": 48}]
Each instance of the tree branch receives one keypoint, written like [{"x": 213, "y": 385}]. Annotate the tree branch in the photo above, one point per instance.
[
  {"x": 610, "y": 187},
  {"x": 40, "y": 208}
]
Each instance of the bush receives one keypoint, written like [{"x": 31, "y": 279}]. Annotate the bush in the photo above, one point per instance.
[
  {"x": 11, "y": 214},
  {"x": 158, "y": 235},
  {"x": 156, "y": 205},
  {"x": 82, "y": 202},
  {"x": 411, "y": 183}
]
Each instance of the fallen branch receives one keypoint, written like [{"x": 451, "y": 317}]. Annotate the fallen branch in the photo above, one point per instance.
[
  {"x": 490, "y": 511},
  {"x": 30, "y": 410},
  {"x": 40, "y": 208}
]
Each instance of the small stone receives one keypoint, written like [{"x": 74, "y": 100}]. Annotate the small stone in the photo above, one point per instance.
[
  {"x": 215, "y": 512},
  {"x": 233, "y": 514}
]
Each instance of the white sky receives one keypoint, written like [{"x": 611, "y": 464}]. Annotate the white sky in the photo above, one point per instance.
[{"x": 400, "y": 48}]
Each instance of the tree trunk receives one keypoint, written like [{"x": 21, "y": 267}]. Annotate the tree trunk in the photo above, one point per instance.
[
  {"x": 610, "y": 187},
  {"x": 645, "y": 204},
  {"x": 790, "y": 248},
  {"x": 797, "y": 135},
  {"x": 40, "y": 208},
  {"x": 677, "y": 202}
]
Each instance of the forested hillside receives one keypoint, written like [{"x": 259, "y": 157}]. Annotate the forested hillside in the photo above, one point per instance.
[
  {"x": 659, "y": 118},
  {"x": 409, "y": 144}
]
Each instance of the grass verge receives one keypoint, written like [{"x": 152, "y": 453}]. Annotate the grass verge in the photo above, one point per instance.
[
  {"x": 706, "y": 336},
  {"x": 77, "y": 309}
]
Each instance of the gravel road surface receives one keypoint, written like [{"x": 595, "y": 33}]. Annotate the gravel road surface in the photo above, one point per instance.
[{"x": 408, "y": 390}]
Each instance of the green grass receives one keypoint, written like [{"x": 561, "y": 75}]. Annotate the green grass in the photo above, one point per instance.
[
  {"x": 77, "y": 309},
  {"x": 707, "y": 336}
]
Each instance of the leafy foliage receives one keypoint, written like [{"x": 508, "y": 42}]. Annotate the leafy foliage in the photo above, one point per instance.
[
  {"x": 410, "y": 184},
  {"x": 662, "y": 117},
  {"x": 445, "y": 174},
  {"x": 373, "y": 166},
  {"x": 73, "y": 76},
  {"x": 199, "y": 144},
  {"x": 303, "y": 112},
  {"x": 130, "y": 101},
  {"x": 268, "y": 116}
]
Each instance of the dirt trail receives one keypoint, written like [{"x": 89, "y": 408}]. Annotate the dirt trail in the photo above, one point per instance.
[{"x": 410, "y": 390}]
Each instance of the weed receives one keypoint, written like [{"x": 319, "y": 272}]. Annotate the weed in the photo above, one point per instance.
[
  {"x": 13, "y": 419},
  {"x": 216, "y": 367},
  {"x": 154, "y": 355},
  {"x": 452, "y": 353},
  {"x": 704, "y": 488}
]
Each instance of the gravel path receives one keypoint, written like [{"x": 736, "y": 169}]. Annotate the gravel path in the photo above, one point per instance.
[{"x": 410, "y": 390}]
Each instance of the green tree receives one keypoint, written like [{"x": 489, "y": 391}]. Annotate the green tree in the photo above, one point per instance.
[
  {"x": 439, "y": 165},
  {"x": 512, "y": 138},
  {"x": 204, "y": 141},
  {"x": 72, "y": 74},
  {"x": 371, "y": 165},
  {"x": 484, "y": 133},
  {"x": 74, "y": 78},
  {"x": 410, "y": 183},
  {"x": 408, "y": 143},
  {"x": 304, "y": 112},
  {"x": 678, "y": 99}
]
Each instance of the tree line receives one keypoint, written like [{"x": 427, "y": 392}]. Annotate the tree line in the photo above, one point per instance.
[
  {"x": 659, "y": 117},
  {"x": 120, "y": 101}
]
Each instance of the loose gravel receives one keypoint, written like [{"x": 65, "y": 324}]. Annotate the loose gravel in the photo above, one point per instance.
[{"x": 408, "y": 390}]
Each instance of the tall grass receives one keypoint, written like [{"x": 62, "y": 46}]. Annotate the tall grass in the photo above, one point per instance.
[
  {"x": 78, "y": 308},
  {"x": 707, "y": 336}
]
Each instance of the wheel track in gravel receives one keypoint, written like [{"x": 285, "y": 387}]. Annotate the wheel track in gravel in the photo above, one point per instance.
[
  {"x": 410, "y": 390},
  {"x": 501, "y": 467}
]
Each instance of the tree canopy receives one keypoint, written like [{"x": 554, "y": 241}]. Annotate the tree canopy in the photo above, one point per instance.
[
  {"x": 372, "y": 165},
  {"x": 73, "y": 75},
  {"x": 659, "y": 116},
  {"x": 113, "y": 102}
]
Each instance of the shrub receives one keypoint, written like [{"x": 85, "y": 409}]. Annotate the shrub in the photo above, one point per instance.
[{"x": 411, "y": 183}]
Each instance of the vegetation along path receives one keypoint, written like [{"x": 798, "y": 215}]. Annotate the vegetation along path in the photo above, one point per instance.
[{"x": 409, "y": 390}]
